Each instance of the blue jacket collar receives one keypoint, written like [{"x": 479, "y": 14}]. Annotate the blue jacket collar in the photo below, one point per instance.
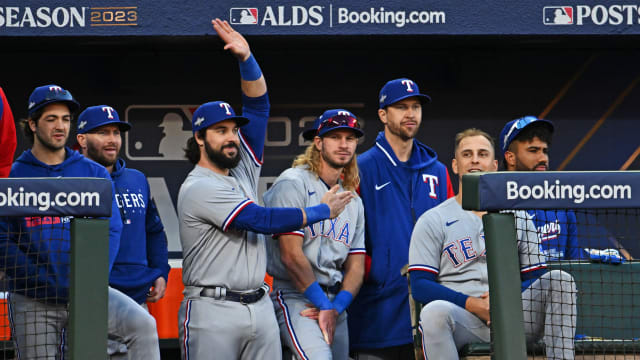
[{"x": 421, "y": 155}]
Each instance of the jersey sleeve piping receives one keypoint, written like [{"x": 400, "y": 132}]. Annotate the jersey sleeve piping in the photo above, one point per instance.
[
  {"x": 355, "y": 251},
  {"x": 296, "y": 233},
  {"x": 232, "y": 215},
  {"x": 421, "y": 267},
  {"x": 533, "y": 267},
  {"x": 245, "y": 144}
]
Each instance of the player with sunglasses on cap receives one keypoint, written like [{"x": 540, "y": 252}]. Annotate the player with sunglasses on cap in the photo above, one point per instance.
[
  {"x": 38, "y": 305},
  {"x": 318, "y": 269},
  {"x": 401, "y": 178}
]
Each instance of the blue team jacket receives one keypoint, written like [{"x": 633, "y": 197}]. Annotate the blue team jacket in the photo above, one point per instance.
[
  {"x": 394, "y": 195},
  {"x": 558, "y": 234},
  {"x": 34, "y": 251},
  {"x": 143, "y": 254}
]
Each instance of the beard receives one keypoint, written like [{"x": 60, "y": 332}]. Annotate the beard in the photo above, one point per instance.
[
  {"x": 522, "y": 167},
  {"x": 334, "y": 164},
  {"x": 220, "y": 159},
  {"x": 94, "y": 154},
  {"x": 399, "y": 131},
  {"x": 49, "y": 144}
]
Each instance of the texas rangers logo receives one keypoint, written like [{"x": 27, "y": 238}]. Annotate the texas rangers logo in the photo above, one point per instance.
[
  {"x": 433, "y": 182},
  {"x": 226, "y": 107},
  {"x": 408, "y": 83},
  {"x": 109, "y": 110},
  {"x": 55, "y": 88}
]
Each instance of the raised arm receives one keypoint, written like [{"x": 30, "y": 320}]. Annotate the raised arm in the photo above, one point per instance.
[
  {"x": 254, "y": 89},
  {"x": 252, "y": 81}
]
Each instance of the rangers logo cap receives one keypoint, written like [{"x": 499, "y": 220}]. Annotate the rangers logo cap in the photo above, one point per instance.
[
  {"x": 96, "y": 116},
  {"x": 514, "y": 127},
  {"x": 49, "y": 94},
  {"x": 400, "y": 89},
  {"x": 311, "y": 132},
  {"x": 213, "y": 113}
]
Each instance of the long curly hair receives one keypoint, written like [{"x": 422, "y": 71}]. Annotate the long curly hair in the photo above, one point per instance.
[{"x": 312, "y": 158}]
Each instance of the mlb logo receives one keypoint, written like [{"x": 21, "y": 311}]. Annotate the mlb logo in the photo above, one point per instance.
[
  {"x": 161, "y": 132},
  {"x": 243, "y": 16},
  {"x": 557, "y": 15}
]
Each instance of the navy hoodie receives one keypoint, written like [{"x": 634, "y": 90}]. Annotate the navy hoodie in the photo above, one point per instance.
[
  {"x": 143, "y": 254},
  {"x": 35, "y": 251},
  {"x": 394, "y": 195}
]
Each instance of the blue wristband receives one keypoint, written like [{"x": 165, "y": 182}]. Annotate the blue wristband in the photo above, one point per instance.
[
  {"x": 317, "y": 297},
  {"x": 249, "y": 69},
  {"x": 342, "y": 300},
  {"x": 317, "y": 213}
]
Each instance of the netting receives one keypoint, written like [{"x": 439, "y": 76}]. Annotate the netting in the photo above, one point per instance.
[
  {"x": 34, "y": 267},
  {"x": 580, "y": 282}
]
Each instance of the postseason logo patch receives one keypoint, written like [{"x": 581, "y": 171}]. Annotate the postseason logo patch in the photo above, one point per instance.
[
  {"x": 557, "y": 15},
  {"x": 243, "y": 16}
]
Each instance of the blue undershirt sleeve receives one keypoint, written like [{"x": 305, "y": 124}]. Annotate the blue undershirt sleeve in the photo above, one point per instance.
[
  {"x": 425, "y": 289},
  {"x": 530, "y": 277},
  {"x": 268, "y": 220}
]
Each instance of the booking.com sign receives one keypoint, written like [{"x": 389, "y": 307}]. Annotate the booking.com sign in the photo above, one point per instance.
[{"x": 617, "y": 14}]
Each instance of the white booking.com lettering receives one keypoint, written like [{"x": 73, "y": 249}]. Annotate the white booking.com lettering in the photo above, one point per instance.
[
  {"x": 43, "y": 200},
  {"x": 576, "y": 192},
  {"x": 382, "y": 16}
]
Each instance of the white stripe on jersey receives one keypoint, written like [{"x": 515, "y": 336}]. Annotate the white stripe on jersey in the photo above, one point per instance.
[
  {"x": 256, "y": 161},
  {"x": 234, "y": 213}
]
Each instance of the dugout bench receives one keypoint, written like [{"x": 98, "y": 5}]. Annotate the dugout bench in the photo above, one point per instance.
[{"x": 608, "y": 323}]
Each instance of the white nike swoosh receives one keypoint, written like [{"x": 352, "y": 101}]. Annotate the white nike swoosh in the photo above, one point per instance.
[{"x": 378, "y": 187}]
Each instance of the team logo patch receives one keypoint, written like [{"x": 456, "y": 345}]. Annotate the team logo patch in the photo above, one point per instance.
[
  {"x": 243, "y": 16},
  {"x": 557, "y": 15}
]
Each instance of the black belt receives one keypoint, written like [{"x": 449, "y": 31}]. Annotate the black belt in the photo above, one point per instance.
[
  {"x": 221, "y": 293},
  {"x": 333, "y": 289}
]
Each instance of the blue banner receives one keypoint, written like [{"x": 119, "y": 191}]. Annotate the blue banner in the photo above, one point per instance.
[
  {"x": 339, "y": 17},
  {"x": 559, "y": 190},
  {"x": 80, "y": 197}
]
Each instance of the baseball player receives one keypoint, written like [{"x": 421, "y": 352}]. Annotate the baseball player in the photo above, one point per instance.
[
  {"x": 400, "y": 178},
  {"x": 448, "y": 270},
  {"x": 318, "y": 270},
  {"x": 224, "y": 312},
  {"x": 524, "y": 144},
  {"x": 38, "y": 304},
  {"x": 142, "y": 260}
]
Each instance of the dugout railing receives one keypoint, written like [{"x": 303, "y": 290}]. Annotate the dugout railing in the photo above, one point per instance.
[
  {"x": 32, "y": 201},
  {"x": 608, "y": 285}
]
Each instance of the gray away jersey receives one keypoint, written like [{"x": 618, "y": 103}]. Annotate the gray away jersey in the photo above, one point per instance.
[
  {"x": 326, "y": 243},
  {"x": 449, "y": 242},
  {"x": 214, "y": 254}
]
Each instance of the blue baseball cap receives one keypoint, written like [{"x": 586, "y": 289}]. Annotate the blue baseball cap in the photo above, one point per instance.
[
  {"x": 400, "y": 89},
  {"x": 213, "y": 113},
  {"x": 335, "y": 119},
  {"x": 96, "y": 116},
  {"x": 49, "y": 94},
  {"x": 515, "y": 127},
  {"x": 311, "y": 132}
]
